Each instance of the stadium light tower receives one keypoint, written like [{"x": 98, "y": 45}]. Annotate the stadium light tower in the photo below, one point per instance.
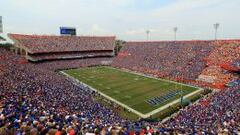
[
  {"x": 1, "y": 28},
  {"x": 216, "y": 26},
  {"x": 148, "y": 33},
  {"x": 175, "y": 33}
]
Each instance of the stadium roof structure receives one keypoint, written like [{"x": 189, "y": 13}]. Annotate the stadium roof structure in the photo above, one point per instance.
[
  {"x": 2, "y": 39},
  {"x": 52, "y": 44}
]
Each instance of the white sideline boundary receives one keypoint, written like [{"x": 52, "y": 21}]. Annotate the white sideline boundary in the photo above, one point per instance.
[{"x": 147, "y": 115}]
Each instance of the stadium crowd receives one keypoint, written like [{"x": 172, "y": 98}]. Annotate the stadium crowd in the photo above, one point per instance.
[
  {"x": 217, "y": 113},
  {"x": 225, "y": 53},
  {"x": 72, "y": 55},
  {"x": 181, "y": 61},
  {"x": 165, "y": 59},
  {"x": 236, "y": 63},
  {"x": 45, "y": 44},
  {"x": 35, "y": 100},
  {"x": 74, "y": 63}
]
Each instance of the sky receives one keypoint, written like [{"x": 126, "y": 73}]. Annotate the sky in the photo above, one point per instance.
[{"x": 126, "y": 19}]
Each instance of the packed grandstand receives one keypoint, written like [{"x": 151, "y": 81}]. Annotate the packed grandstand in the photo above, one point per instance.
[
  {"x": 36, "y": 99},
  {"x": 40, "y": 48}
]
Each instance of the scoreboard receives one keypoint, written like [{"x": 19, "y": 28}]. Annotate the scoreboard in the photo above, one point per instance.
[{"x": 68, "y": 31}]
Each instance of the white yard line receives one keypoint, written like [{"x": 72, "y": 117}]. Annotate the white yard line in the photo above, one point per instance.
[
  {"x": 149, "y": 76},
  {"x": 106, "y": 96},
  {"x": 129, "y": 108}
]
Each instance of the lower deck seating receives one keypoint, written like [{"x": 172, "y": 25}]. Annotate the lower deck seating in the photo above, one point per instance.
[{"x": 69, "y": 55}]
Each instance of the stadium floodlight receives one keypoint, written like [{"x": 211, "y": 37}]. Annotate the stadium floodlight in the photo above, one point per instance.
[
  {"x": 175, "y": 33},
  {"x": 148, "y": 33},
  {"x": 216, "y": 26}
]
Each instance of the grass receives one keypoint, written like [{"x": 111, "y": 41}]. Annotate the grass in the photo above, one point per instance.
[
  {"x": 120, "y": 110},
  {"x": 128, "y": 88}
]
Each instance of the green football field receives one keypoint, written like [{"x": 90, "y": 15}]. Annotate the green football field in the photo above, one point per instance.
[{"x": 130, "y": 89}]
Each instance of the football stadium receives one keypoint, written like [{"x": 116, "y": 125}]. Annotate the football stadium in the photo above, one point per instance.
[{"x": 70, "y": 84}]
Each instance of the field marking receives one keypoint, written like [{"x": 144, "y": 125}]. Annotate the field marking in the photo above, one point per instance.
[
  {"x": 127, "y": 96},
  {"x": 116, "y": 91},
  {"x": 104, "y": 95},
  {"x": 147, "y": 115},
  {"x": 172, "y": 103},
  {"x": 149, "y": 76}
]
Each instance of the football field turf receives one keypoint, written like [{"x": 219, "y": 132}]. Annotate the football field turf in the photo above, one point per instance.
[{"x": 133, "y": 90}]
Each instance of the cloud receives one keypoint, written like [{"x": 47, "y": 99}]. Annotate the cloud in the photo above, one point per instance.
[
  {"x": 135, "y": 32},
  {"x": 97, "y": 30},
  {"x": 140, "y": 31},
  {"x": 128, "y": 19},
  {"x": 186, "y": 5}
]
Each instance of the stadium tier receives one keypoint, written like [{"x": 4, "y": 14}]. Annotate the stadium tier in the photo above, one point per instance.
[
  {"x": 167, "y": 59},
  {"x": 187, "y": 61},
  {"x": 41, "y": 48},
  {"x": 69, "y": 55},
  {"x": 37, "y": 99}
]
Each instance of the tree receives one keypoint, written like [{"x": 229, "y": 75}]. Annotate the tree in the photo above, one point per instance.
[{"x": 118, "y": 45}]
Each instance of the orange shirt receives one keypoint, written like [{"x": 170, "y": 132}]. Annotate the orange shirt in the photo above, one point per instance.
[
  {"x": 71, "y": 132},
  {"x": 58, "y": 133}
]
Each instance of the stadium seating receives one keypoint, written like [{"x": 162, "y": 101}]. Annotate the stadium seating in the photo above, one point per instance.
[
  {"x": 34, "y": 99},
  {"x": 224, "y": 54},
  {"x": 219, "y": 113},
  {"x": 40, "y": 48},
  {"x": 183, "y": 61},
  {"x": 72, "y": 55},
  {"x": 45, "y": 98},
  {"x": 74, "y": 63}
]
